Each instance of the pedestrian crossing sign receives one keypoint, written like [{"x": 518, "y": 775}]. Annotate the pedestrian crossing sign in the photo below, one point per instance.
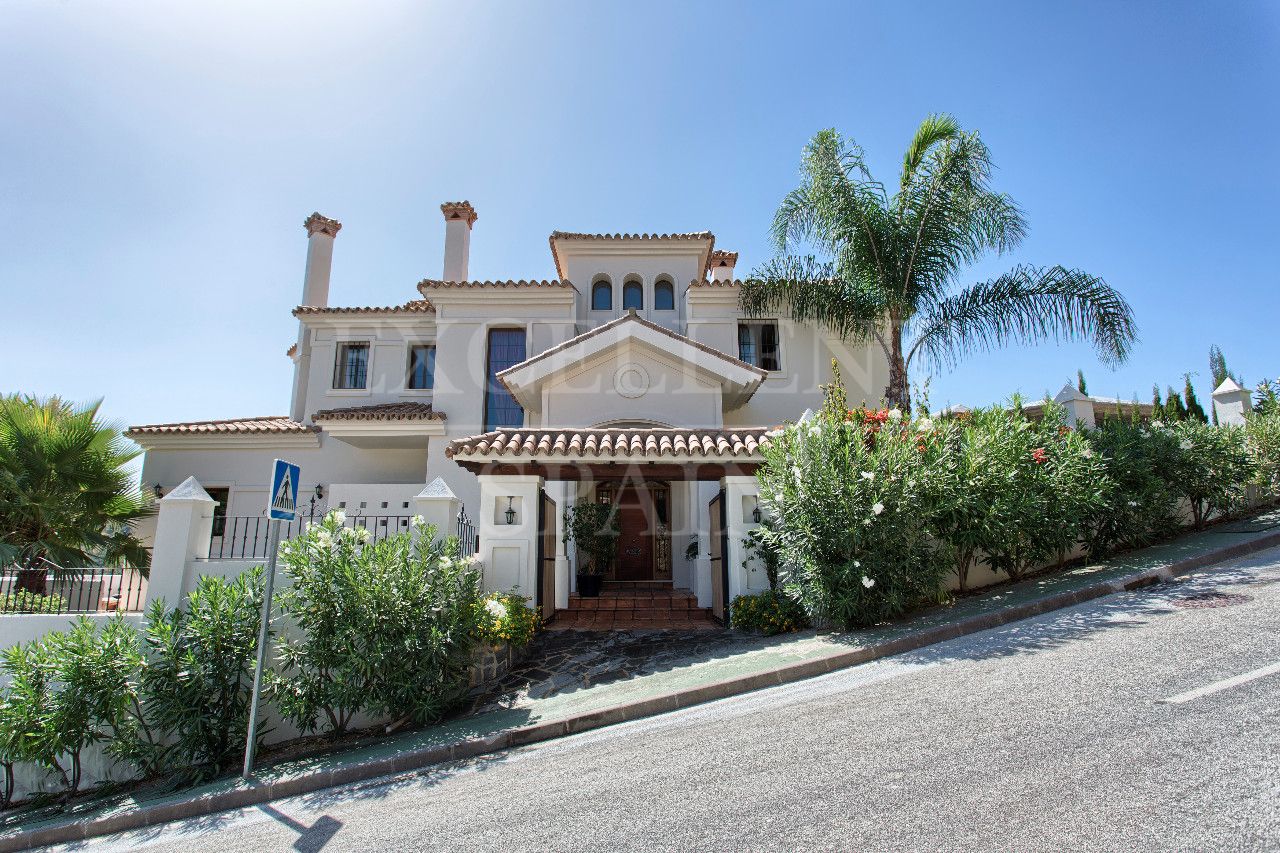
[{"x": 284, "y": 490}]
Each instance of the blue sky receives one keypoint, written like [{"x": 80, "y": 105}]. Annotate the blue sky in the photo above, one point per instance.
[{"x": 156, "y": 163}]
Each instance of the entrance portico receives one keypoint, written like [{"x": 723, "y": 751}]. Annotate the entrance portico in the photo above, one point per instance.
[{"x": 666, "y": 484}]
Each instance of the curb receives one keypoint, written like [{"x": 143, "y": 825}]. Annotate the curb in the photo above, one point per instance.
[{"x": 256, "y": 793}]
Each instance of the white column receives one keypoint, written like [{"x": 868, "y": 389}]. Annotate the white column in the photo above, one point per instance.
[
  {"x": 459, "y": 216},
  {"x": 700, "y": 520},
  {"x": 740, "y": 494},
  {"x": 509, "y": 551},
  {"x": 184, "y": 527},
  {"x": 438, "y": 506},
  {"x": 1079, "y": 408},
  {"x": 563, "y": 493},
  {"x": 1232, "y": 403}
]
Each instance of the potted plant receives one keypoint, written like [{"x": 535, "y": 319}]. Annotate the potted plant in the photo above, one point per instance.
[{"x": 593, "y": 529}]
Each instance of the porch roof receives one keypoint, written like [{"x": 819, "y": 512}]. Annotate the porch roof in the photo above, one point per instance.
[{"x": 741, "y": 444}]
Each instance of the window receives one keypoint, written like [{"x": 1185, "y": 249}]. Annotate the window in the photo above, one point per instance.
[
  {"x": 506, "y": 349},
  {"x": 351, "y": 366},
  {"x": 758, "y": 344},
  {"x": 664, "y": 296},
  {"x": 602, "y": 296},
  {"x": 632, "y": 296},
  {"x": 223, "y": 497},
  {"x": 422, "y": 367}
]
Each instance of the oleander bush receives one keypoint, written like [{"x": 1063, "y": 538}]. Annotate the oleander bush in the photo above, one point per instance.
[
  {"x": 1140, "y": 496},
  {"x": 1213, "y": 467},
  {"x": 772, "y": 612},
  {"x": 383, "y": 628},
  {"x": 506, "y": 617},
  {"x": 1262, "y": 434}
]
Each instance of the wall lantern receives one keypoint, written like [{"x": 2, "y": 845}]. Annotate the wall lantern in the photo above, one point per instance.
[
  {"x": 319, "y": 492},
  {"x": 755, "y": 513},
  {"x": 157, "y": 491},
  {"x": 510, "y": 513}
]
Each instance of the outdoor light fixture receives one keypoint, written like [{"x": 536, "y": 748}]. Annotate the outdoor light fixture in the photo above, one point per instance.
[
  {"x": 510, "y": 513},
  {"x": 157, "y": 491},
  {"x": 755, "y": 513},
  {"x": 318, "y": 495}
]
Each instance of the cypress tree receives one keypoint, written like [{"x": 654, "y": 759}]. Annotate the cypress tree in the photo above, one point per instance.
[
  {"x": 1157, "y": 406},
  {"x": 1194, "y": 409},
  {"x": 1080, "y": 384},
  {"x": 1173, "y": 407}
]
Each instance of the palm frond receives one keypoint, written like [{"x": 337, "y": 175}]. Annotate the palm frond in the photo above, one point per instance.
[
  {"x": 811, "y": 292},
  {"x": 1027, "y": 305},
  {"x": 934, "y": 130}
]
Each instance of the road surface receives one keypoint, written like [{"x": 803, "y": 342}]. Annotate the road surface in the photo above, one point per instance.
[{"x": 1147, "y": 720}]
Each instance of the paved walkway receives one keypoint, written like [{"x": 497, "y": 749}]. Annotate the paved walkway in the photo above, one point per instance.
[{"x": 588, "y": 679}]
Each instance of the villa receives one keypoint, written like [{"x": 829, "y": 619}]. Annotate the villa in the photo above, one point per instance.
[{"x": 631, "y": 378}]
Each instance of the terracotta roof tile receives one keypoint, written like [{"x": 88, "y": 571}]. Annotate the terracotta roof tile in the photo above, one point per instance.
[
  {"x": 635, "y": 443},
  {"x": 436, "y": 284},
  {"x": 735, "y": 282},
  {"x": 416, "y": 306},
  {"x": 292, "y": 350},
  {"x": 271, "y": 424},
  {"x": 381, "y": 412}
]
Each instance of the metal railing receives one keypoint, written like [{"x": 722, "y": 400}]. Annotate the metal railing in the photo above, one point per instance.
[
  {"x": 50, "y": 588},
  {"x": 467, "y": 536},
  {"x": 245, "y": 537}
]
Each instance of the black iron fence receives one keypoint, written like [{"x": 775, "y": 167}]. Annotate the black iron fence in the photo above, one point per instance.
[
  {"x": 50, "y": 588},
  {"x": 467, "y": 536},
  {"x": 246, "y": 537}
]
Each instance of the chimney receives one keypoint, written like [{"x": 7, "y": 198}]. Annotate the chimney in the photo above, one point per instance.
[
  {"x": 722, "y": 264},
  {"x": 459, "y": 216},
  {"x": 315, "y": 281},
  {"x": 315, "y": 292}
]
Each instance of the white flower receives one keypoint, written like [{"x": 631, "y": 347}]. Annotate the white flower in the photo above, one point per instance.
[
  {"x": 496, "y": 608},
  {"x": 866, "y": 522},
  {"x": 1088, "y": 453},
  {"x": 925, "y": 425},
  {"x": 877, "y": 508},
  {"x": 1186, "y": 444},
  {"x": 857, "y": 565},
  {"x": 418, "y": 521},
  {"x": 895, "y": 414},
  {"x": 1133, "y": 503},
  {"x": 868, "y": 582},
  {"x": 815, "y": 430},
  {"x": 796, "y": 472},
  {"x": 323, "y": 539},
  {"x": 867, "y": 475},
  {"x": 363, "y": 534},
  {"x": 338, "y": 516}
]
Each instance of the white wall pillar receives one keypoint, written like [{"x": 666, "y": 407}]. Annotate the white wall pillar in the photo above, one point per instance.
[
  {"x": 315, "y": 292},
  {"x": 1231, "y": 403},
  {"x": 509, "y": 551},
  {"x": 1079, "y": 408},
  {"x": 184, "y": 527},
  {"x": 438, "y": 506},
  {"x": 563, "y": 493},
  {"x": 700, "y": 521},
  {"x": 740, "y": 496}
]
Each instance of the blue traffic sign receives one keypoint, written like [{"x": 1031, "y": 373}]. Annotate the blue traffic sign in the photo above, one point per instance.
[{"x": 284, "y": 491}]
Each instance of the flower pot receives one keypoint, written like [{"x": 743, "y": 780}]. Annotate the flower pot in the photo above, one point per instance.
[{"x": 589, "y": 585}]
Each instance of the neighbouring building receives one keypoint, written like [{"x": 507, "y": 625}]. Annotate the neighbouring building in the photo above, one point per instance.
[{"x": 631, "y": 378}]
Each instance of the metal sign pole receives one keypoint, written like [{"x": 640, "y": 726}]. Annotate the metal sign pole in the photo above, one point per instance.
[{"x": 251, "y": 740}]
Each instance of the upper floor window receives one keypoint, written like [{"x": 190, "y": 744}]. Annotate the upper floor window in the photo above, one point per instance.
[
  {"x": 506, "y": 349},
  {"x": 422, "y": 367},
  {"x": 351, "y": 366},
  {"x": 664, "y": 296},
  {"x": 632, "y": 296},
  {"x": 758, "y": 344},
  {"x": 602, "y": 296}
]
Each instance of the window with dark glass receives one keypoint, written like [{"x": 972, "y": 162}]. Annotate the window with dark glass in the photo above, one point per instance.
[
  {"x": 602, "y": 296},
  {"x": 422, "y": 367},
  {"x": 351, "y": 366},
  {"x": 664, "y": 296},
  {"x": 506, "y": 349},
  {"x": 223, "y": 497},
  {"x": 632, "y": 296},
  {"x": 758, "y": 344}
]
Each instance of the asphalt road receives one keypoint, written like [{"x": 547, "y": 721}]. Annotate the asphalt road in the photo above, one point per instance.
[{"x": 1148, "y": 720}]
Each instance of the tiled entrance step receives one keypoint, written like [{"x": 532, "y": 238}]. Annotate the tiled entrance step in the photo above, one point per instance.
[{"x": 623, "y": 608}]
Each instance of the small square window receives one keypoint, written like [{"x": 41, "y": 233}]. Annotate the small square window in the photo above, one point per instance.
[
  {"x": 758, "y": 344},
  {"x": 422, "y": 367},
  {"x": 351, "y": 367}
]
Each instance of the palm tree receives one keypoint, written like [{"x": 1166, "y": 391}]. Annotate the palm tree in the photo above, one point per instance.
[
  {"x": 65, "y": 494},
  {"x": 889, "y": 264}
]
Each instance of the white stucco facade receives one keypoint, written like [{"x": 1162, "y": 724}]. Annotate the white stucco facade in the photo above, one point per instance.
[{"x": 637, "y": 340}]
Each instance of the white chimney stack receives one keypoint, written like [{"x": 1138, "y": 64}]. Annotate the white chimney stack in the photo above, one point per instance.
[
  {"x": 722, "y": 264},
  {"x": 459, "y": 216},
  {"x": 315, "y": 281},
  {"x": 315, "y": 293}
]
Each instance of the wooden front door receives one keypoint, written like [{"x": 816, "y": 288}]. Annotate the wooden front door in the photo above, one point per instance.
[{"x": 635, "y": 544}]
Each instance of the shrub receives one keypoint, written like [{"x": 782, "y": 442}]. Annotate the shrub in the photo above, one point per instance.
[
  {"x": 196, "y": 681},
  {"x": 850, "y": 493},
  {"x": 771, "y": 612},
  {"x": 1212, "y": 469},
  {"x": 505, "y": 617},
  {"x": 1262, "y": 432},
  {"x": 593, "y": 529},
  {"x": 26, "y": 601},
  {"x": 384, "y": 628},
  {"x": 1140, "y": 501}
]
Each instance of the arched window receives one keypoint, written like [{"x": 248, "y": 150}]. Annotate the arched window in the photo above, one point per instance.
[
  {"x": 632, "y": 296},
  {"x": 602, "y": 296},
  {"x": 664, "y": 296}
]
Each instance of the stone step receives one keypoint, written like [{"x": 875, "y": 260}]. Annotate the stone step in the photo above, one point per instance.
[{"x": 699, "y": 619}]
